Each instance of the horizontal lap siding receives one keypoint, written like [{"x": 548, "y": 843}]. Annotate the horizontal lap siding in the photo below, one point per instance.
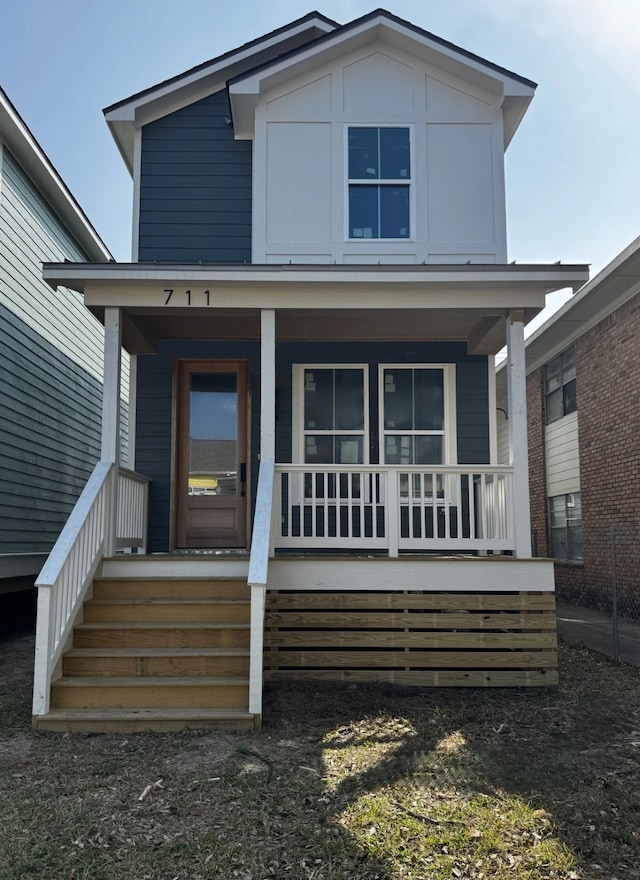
[
  {"x": 51, "y": 351},
  {"x": 423, "y": 639},
  {"x": 195, "y": 187},
  {"x": 562, "y": 456}
]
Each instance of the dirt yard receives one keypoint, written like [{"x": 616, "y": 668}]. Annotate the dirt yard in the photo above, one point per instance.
[{"x": 342, "y": 783}]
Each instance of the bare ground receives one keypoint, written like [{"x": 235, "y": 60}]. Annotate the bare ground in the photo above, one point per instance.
[{"x": 343, "y": 782}]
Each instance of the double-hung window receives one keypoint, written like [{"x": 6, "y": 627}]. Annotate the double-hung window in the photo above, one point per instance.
[
  {"x": 413, "y": 415},
  {"x": 565, "y": 527},
  {"x": 334, "y": 414},
  {"x": 560, "y": 386},
  {"x": 379, "y": 182}
]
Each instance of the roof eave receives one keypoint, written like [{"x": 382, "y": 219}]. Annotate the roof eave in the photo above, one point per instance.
[{"x": 18, "y": 138}]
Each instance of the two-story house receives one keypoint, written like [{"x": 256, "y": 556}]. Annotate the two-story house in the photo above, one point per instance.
[{"x": 319, "y": 286}]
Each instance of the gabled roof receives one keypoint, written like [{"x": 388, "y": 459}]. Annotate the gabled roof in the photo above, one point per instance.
[
  {"x": 305, "y": 43},
  {"x": 204, "y": 79},
  {"x": 607, "y": 291},
  {"x": 32, "y": 158}
]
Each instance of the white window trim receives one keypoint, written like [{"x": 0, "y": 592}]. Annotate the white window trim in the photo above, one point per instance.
[
  {"x": 409, "y": 182},
  {"x": 297, "y": 409},
  {"x": 450, "y": 432}
]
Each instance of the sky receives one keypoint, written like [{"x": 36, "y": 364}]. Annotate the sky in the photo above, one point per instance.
[{"x": 573, "y": 168}]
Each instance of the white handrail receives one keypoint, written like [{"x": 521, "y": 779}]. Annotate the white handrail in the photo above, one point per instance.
[
  {"x": 258, "y": 569},
  {"x": 67, "y": 574},
  {"x": 112, "y": 499}
]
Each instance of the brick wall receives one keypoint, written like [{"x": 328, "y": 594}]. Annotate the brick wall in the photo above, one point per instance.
[
  {"x": 608, "y": 395},
  {"x": 537, "y": 481}
]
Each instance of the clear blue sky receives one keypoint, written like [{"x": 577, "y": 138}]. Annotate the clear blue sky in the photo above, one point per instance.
[{"x": 573, "y": 169}]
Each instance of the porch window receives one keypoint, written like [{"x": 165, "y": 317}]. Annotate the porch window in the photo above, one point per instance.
[
  {"x": 413, "y": 415},
  {"x": 560, "y": 386},
  {"x": 334, "y": 414},
  {"x": 379, "y": 182},
  {"x": 565, "y": 527}
]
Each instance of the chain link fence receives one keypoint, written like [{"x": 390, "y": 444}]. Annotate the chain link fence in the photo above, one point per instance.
[{"x": 598, "y": 595}]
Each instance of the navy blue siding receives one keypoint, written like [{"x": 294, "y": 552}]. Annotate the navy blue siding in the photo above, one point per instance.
[
  {"x": 195, "y": 187},
  {"x": 50, "y": 410},
  {"x": 155, "y": 378}
]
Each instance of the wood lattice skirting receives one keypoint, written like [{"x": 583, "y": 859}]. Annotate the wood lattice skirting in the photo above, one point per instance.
[{"x": 433, "y": 639}]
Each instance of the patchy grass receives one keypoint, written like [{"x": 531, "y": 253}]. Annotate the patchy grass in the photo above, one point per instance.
[{"x": 343, "y": 783}]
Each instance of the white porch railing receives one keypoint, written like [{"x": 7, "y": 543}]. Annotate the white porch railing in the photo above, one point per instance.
[
  {"x": 69, "y": 570},
  {"x": 394, "y": 508}
]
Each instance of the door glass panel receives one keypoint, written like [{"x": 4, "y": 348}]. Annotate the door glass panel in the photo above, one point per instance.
[{"x": 213, "y": 434}]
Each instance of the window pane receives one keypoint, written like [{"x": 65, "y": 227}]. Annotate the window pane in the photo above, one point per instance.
[
  {"x": 318, "y": 449},
  {"x": 569, "y": 397},
  {"x": 398, "y": 449},
  {"x": 554, "y": 406},
  {"x": 428, "y": 450},
  {"x": 363, "y": 212},
  {"x": 394, "y": 154},
  {"x": 348, "y": 450},
  {"x": 569, "y": 365},
  {"x": 398, "y": 399},
  {"x": 429, "y": 400},
  {"x": 349, "y": 400},
  {"x": 318, "y": 399},
  {"x": 363, "y": 154},
  {"x": 394, "y": 211},
  {"x": 558, "y": 511}
]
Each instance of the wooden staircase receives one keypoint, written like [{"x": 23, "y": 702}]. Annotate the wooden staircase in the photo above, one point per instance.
[{"x": 157, "y": 653}]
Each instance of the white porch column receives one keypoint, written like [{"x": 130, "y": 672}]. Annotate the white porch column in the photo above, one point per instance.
[
  {"x": 268, "y": 385},
  {"x": 111, "y": 386},
  {"x": 111, "y": 417},
  {"x": 518, "y": 446}
]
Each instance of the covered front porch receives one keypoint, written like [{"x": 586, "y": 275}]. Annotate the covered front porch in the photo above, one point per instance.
[{"x": 460, "y": 589}]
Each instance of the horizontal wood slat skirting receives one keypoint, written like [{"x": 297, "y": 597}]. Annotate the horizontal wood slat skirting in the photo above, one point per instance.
[{"x": 423, "y": 639}]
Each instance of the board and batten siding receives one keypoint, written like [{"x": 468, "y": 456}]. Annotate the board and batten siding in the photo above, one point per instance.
[
  {"x": 195, "y": 187},
  {"x": 457, "y": 163},
  {"x": 562, "y": 456},
  {"x": 51, "y": 352}
]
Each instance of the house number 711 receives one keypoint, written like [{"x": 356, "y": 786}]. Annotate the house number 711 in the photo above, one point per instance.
[{"x": 170, "y": 291}]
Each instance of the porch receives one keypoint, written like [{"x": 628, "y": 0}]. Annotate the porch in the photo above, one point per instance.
[{"x": 408, "y": 561}]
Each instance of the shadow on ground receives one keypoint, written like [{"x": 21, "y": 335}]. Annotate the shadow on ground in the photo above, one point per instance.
[{"x": 343, "y": 783}]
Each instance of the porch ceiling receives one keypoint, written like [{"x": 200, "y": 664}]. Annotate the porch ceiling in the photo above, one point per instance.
[{"x": 426, "y": 302}]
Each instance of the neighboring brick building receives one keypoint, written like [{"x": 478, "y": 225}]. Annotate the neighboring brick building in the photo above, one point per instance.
[{"x": 583, "y": 399}]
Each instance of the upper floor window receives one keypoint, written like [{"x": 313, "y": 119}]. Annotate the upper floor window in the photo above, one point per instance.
[
  {"x": 379, "y": 169},
  {"x": 560, "y": 386}
]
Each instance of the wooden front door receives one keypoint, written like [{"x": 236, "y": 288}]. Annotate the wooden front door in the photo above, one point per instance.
[{"x": 211, "y": 466}]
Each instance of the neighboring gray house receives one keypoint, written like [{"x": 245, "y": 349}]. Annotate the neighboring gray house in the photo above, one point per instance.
[{"x": 51, "y": 360}]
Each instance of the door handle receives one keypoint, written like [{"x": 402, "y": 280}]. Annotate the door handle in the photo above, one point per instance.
[{"x": 243, "y": 479}]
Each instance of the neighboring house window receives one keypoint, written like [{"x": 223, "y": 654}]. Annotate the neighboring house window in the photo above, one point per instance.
[
  {"x": 413, "y": 407},
  {"x": 560, "y": 386},
  {"x": 379, "y": 182},
  {"x": 565, "y": 527},
  {"x": 334, "y": 414}
]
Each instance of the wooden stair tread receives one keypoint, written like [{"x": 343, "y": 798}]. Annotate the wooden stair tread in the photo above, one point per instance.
[
  {"x": 173, "y": 714},
  {"x": 116, "y": 624},
  {"x": 188, "y": 601},
  {"x": 157, "y": 652},
  {"x": 150, "y": 681}
]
